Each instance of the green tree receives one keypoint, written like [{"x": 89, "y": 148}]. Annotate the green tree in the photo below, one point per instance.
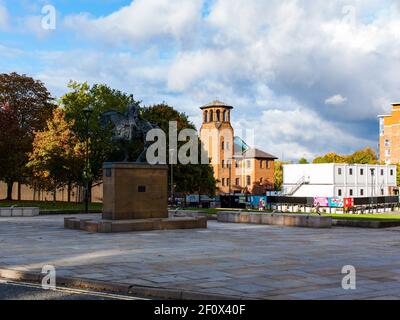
[
  {"x": 278, "y": 174},
  {"x": 191, "y": 178},
  {"x": 57, "y": 159},
  {"x": 330, "y": 158},
  {"x": 25, "y": 106},
  {"x": 364, "y": 156},
  {"x": 101, "y": 98},
  {"x": 303, "y": 161},
  {"x": 398, "y": 175}
]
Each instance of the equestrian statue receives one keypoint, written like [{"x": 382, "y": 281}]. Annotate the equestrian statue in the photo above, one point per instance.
[{"x": 127, "y": 128}]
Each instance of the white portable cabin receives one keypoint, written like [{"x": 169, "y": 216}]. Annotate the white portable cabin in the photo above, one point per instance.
[{"x": 339, "y": 180}]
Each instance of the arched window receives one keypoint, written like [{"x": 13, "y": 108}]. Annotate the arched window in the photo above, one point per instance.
[
  {"x": 218, "y": 115},
  {"x": 211, "y": 116},
  {"x": 225, "y": 119},
  {"x": 206, "y": 116}
]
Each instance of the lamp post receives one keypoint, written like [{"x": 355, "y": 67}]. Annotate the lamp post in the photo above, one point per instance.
[{"x": 87, "y": 114}]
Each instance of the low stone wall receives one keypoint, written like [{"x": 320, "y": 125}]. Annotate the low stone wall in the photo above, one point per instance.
[
  {"x": 289, "y": 220},
  {"x": 191, "y": 213},
  {"x": 365, "y": 223},
  {"x": 18, "y": 212}
]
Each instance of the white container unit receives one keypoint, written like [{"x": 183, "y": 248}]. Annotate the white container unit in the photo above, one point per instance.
[{"x": 339, "y": 180}]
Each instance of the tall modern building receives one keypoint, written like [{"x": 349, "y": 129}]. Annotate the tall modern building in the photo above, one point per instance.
[
  {"x": 238, "y": 168},
  {"x": 389, "y": 136}
]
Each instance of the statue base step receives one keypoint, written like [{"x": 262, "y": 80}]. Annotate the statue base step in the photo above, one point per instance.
[{"x": 115, "y": 226}]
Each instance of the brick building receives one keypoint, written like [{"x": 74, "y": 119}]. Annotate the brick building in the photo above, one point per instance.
[
  {"x": 238, "y": 168},
  {"x": 389, "y": 136}
]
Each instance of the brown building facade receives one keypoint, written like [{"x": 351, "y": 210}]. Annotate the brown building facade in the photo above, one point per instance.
[
  {"x": 237, "y": 167},
  {"x": 389, "y": 136}
]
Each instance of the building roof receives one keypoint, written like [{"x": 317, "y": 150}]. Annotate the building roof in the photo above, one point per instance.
[
  {"x": 254, "y": 153},
  {"x": 216, "y": 103}
]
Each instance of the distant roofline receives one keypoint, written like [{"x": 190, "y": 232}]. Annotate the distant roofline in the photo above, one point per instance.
[
  {"x": 258, "y": 154},
  {"x": 395, "y": 104}
]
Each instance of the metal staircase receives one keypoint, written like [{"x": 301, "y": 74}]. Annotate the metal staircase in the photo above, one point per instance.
[{"x": 302, "y": 181}]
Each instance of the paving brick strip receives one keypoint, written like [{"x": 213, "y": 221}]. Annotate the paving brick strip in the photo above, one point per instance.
[{"x": 113, "y": 287}]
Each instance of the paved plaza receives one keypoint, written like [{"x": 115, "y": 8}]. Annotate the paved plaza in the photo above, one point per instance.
[{"x": 246, "y": 261}]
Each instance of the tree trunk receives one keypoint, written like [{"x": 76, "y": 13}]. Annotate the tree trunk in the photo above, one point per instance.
[
  {"x": 69, "y": 192},
  {"x": 9, "y": 190},
  {"x": 90, "y": 191},
  {"x": 19, "y": 190}
]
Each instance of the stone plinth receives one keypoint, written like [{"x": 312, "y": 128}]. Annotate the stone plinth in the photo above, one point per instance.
[
  {"x": 114, "y": 226},
  {"x": 134, "y": 191},
  {"x": 135, "y": 198}
]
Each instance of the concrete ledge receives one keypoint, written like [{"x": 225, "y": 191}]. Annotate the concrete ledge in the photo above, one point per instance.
[
  {"x": 366, "y": 223},
  {"x": 19, "y": 212},
  {"x": 289, "y": 220},
  {"x": 115, "y": 226},
  {"x": 113, "y": 287}
]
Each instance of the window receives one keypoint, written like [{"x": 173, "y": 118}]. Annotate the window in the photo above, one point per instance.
[
  {"x": 224, "y": 116},
  {"x": 340, "y": 192},
  {"x": 223, "y": 182},
  {"x": 361, "y": 172},
  {"x": 228, "y": 182},
  {"x": 211, "y": 119},
  {"x": 382, "y": 172},
  {"x": 387, "y": 143},
  {"x": 351, "y": 171},
  {"x": 387, "y": 153},
  {"x": 391, "y": 172},
  {"x": 361, "y": 192},
  {"x": 248, "y": 180},
  {"x": 339, "y": 171},
  {"x": 238, "y": 182},
  {"x": 206, "y": 116},
  {"x": 261, "y": 164},
  {"x": 222, "y": 145},
  {"x": 218, "y": 115},
  {"x": 382, "y": 192},
  {"x": 248, "y": 164},
  {"x": 237, "y": 163},
  {"x": 223, "y": 163},
  {"x": 351, "y": 192},
  {"x": 269, "y": 164}
]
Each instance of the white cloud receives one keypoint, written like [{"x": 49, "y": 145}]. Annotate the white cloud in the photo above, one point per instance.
[
  {"x": 140, "y": 21},
  {"x": 336, "y": 100},
  {"x": 4, "y": 17},
  {"x": 293, "y": 134},
  {"x": 277, "y": 62}
]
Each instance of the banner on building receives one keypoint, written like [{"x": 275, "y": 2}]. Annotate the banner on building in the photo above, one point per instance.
[
  {"x": 322, "y": 202},
  {"x": 336, "y": 202}
]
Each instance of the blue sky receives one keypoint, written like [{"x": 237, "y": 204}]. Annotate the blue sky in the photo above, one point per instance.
[{"x": 309, "y": 76}]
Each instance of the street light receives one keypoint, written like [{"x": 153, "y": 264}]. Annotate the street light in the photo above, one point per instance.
[{"x": 87, "y": 112}]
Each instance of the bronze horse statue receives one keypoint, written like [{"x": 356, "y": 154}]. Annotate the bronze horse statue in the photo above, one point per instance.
[{"x": 128, "y": 127}]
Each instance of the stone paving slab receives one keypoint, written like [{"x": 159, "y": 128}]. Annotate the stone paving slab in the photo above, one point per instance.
[{"x": 249, "y": 261}]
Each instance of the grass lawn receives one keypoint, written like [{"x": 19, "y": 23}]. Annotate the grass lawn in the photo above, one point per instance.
[{"x": 51, "y": 206}]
